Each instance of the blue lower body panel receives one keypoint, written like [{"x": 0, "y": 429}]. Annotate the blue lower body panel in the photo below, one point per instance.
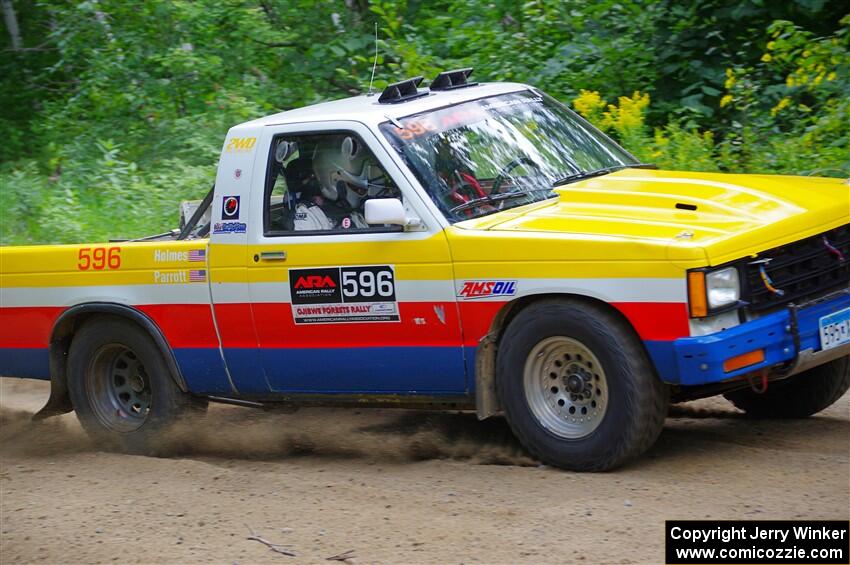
[
  {"x": 28, "y": 363},
  {"x": 203, "y": 370},
  {"x": 366, "y": 370},
  {"x": 432, "y": 371},
  {"x": 380, "y": 370},
  {"x": 699, "y": 360}
]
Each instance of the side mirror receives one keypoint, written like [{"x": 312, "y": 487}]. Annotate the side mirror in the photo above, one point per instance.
[{"x": 380, "y": 211}]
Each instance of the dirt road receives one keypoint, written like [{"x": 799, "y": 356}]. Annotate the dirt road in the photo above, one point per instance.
[{"x": 396, "y": 487}]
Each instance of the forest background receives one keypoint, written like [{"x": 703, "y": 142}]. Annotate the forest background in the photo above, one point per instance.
[{"x": 113, "y": 111}]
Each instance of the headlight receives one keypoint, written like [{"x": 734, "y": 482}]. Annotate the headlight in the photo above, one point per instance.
[
  {"x": 722, "y": 287},
  {"x": 709, "y": 291}
]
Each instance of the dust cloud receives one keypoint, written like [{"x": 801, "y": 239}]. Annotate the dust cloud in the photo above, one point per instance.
[
  {"x": 245, "y": 433},
  {"x": 387, "y": 435}
]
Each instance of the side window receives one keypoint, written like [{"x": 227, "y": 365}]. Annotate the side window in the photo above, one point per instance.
[{"x": 320, "y": 182}]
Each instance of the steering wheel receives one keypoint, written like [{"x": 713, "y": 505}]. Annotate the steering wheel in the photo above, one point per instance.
[{"x": 505, "y": 172}]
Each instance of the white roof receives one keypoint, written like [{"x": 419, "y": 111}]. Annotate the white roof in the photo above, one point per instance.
[{"x": 367, "y": 110}]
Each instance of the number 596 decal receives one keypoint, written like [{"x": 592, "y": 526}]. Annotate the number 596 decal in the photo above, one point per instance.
[
  {"x": 343, "y": 294},
  {"x": 99, "y": 258},
  {"x": 367, "y": 284}
]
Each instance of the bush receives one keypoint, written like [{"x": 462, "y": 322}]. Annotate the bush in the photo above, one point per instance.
[{"x": 115, "y": 111}]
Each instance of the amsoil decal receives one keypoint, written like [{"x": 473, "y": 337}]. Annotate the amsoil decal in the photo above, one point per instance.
[
  {"x": 230, "y": 208},
  {"x": 343, "y": 294},
  {"x": 486, "y": 289}
]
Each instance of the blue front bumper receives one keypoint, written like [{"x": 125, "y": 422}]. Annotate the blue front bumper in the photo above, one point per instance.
[{"x": 699, "y": 360}]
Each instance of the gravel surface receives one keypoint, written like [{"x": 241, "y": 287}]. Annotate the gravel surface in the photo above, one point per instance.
[{"x": 390, "y": 487}]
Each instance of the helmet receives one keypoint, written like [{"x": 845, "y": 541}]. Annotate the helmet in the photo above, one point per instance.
[{"x": 343, "y": 169}]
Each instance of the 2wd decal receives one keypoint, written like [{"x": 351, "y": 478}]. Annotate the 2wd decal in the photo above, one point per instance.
[
  {"x": 486, "y": 289},
  {"x": 343, "y": 294},
  {"x": 230, "y": 208},
  {"x": 240, "y": 144}
]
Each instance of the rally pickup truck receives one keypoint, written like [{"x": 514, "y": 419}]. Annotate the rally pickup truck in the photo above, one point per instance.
[{"x": 465, "y": 247}]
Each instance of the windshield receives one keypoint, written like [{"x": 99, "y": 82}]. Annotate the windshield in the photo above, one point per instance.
[{"x": 500, "y": 152}]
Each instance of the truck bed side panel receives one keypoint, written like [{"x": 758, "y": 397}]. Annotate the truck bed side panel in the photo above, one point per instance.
[{"x": 167, "y": 281}]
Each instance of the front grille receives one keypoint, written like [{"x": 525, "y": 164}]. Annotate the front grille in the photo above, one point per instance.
[{"x": 802, "y": 270}]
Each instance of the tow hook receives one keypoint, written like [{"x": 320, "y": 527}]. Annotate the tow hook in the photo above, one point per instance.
[{"x": 756, "y": 388}]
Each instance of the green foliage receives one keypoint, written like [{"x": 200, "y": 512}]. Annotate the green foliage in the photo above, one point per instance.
[{"x": 115, "y": 111}]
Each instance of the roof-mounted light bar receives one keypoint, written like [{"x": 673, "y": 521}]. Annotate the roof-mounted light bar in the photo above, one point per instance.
[
  {"x": 402, "y": 91},
  {"x": 449, "y": 80}
]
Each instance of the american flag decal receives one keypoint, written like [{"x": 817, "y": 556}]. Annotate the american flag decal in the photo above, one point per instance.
[
  {"x": 197, "y": 255},
  {"x": 198, "y": 276}
]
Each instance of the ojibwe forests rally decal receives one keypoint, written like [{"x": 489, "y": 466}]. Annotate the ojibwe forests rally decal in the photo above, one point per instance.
[{"x": 343, "y": 294}]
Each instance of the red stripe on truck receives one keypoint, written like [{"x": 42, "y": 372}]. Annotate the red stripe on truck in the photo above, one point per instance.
[{"x": 28, "y": 326}]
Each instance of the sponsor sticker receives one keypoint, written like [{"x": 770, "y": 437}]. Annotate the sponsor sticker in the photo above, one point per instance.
[
  {"x": 230, "y": 208},
  {"x": 470, "y": 290},
  {"x": 230, "y": 227},
  {"x": 343, "y": 294}
]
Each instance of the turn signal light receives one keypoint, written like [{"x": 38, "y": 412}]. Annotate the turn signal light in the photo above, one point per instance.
[
  {"x": 745, "y": 360},
  {"x": 697, "y": 295}
]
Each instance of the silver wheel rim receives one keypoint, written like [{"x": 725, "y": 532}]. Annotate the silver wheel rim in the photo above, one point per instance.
[
  {"x": 565, "y": 387},
  {"x": 118, "y": 388}
]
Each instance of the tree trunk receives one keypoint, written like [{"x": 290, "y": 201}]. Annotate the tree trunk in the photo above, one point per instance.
[{"x": 11, "y": 24}]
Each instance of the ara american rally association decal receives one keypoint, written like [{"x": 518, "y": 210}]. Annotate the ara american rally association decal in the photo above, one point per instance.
[{"x": 343, "y": 294}]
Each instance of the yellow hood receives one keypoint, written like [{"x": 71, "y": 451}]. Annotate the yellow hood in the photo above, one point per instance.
[{"x": 729, "y": 216}]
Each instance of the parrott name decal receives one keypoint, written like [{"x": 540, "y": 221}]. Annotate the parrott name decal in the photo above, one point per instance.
[{"x": 182, "y": 276}]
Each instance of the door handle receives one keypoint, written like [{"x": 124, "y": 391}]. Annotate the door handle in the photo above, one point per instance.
[{"x": 272, "y": 255}]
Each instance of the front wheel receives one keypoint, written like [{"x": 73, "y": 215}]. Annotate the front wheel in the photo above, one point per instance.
[
  {"x": 121, "y": 388},
  {"x": 577, "y": 387}
]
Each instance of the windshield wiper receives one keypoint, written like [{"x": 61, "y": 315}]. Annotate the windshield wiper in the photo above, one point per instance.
[
  {"x": 494, "y": 198},
  {"x": 599, "y": 172}
]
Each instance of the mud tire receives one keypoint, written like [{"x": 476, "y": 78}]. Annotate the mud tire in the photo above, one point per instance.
[
  {"x": 637, "y": 400},
  {"x": 124, "y": 395}
]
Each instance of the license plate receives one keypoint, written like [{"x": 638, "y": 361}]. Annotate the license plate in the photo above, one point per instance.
[{"x": 835, "y": 329}]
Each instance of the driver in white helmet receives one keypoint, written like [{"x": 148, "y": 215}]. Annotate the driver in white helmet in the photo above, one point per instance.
[{"x": 348, "y": 177}]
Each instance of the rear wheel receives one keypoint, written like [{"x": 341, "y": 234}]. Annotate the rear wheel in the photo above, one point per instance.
[
  {"x": 122, "y": 390},
  {"x": 799, "y": 396},
  {"x": 577, "y": 387}
]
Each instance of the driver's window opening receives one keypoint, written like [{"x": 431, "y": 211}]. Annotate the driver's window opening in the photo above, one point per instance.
[{"x": 321, "y": 182}]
